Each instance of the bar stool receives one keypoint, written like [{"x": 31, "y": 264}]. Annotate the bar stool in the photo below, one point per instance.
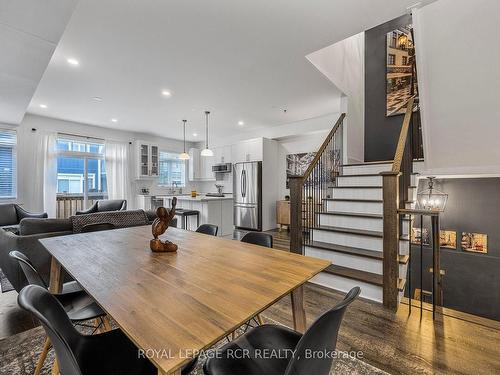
[{"x": 184, "y": 214}]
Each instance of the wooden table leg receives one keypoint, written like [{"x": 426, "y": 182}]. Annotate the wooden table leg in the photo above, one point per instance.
[
  {"x": 55, "y": 283},
  {"x": 299, "y": 314}
]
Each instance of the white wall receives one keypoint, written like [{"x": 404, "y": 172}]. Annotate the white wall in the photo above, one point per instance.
[
  {"x": 295, "y": 145},
  {"x": 27, "y": 141},
  {"x": 458, "y": 59},
  {"x": 343, "y": 63}
]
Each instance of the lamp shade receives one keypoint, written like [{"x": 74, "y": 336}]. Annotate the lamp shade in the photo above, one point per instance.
[
  {"x": 431, "y": 198},
  {"x": 184, "y": 156},
  {"x": 207, "y": 152}
]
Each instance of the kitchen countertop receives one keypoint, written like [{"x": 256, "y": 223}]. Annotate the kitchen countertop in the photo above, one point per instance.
[{"x": 199, "y": 198}]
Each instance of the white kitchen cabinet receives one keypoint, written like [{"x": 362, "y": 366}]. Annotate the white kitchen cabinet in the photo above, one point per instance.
[
  {"x": 147, "y": 159},
  {"x": 200, "y": 167},
  {"x": 251, "y": 150},
  {"x": 222, "y": 155},
  {"x": 143, "y": 202}
]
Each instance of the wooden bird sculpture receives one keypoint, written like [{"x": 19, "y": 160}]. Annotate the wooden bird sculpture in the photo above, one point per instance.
[{"x": 160, "y": 226}]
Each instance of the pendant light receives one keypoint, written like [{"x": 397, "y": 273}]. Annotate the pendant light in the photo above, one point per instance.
[
  {"x": 431, "y": 199},
  {"x": 184, "y": 155},
  {"x": 206, "y": 151}
]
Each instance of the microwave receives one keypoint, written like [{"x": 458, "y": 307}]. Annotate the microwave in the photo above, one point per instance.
[{"x": 222, "y": 168}]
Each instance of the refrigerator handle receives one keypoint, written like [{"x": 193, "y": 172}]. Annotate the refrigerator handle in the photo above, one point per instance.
[
  {"x": 241, "y": 183},
  {"x": 244, "y": 184}
]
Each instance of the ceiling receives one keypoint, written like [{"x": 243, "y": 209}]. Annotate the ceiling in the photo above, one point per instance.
[
  {"x": 29, "y": 33},
  {"x": 242, "y": 60}
]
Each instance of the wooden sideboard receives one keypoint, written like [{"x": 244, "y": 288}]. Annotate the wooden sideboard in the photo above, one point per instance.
[{"x": 283, "y": 214}]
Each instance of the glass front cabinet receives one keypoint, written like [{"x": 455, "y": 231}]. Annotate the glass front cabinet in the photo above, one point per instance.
[{"x": 148, "y": 158}]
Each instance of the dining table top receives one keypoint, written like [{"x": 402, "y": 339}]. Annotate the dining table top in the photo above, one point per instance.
[{"x": 183, "y": 302}]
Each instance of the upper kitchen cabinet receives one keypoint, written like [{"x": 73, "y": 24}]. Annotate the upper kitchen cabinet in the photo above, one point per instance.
[
  {"x": 222, "y": 155},
  {"x": 147, "y": 157},
  {"x": 200, "y": 167},
  {"x": 251, "y": 150}
]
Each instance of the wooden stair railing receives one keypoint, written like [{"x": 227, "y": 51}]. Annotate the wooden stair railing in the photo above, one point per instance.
[
  {"x": 308, "y": 191},
  {"x": 395, "y": 185}
]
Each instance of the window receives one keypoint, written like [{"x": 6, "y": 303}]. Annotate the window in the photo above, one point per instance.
[
  {"x": 405, "y": 60},
  {"x": 81, "y": 172},
  {"x": 172, "y": 170},
  {"x": 8, "y": 163},
  {"x": 394, "y": 39},
  {"x": 391, "y": 59}
]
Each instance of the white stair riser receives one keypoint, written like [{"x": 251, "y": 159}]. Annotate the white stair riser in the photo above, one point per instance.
[
  {"x": 354, "y": 222},
  {"x": 360, "y": 181},
  {"x": 366, "y": 180},
  {"x": 352, "y": 261},
  {"x": 366, "y": 169},
  {"x": 356, "y": 207},
  {"x": 418, "y": 167},
  {"x": 343, "y": 284},
  {"x": 351, "y": 222},
  {"x": 350, "y": 239},
  {"x": 357, "y": 193}
]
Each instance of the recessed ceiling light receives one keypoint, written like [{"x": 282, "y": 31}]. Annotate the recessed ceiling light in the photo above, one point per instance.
[
  {"x": 43, "y": 106},
  {"x": 73, "y": 61},
  {"x": 241, "y": 123},
  {"x": 195, "y": 134},
  {"x": 97, "y": 98},
  {"x": 114, "y": 120},
  {"x": 166, "y": 93}
]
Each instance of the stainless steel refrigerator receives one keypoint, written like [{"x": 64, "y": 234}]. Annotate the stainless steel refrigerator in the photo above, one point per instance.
[{"x": 247, "y": 193}]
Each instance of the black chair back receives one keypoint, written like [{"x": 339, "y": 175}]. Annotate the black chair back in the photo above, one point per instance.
[
  {"x": 209, "y": 229},
  {"x": 56, "y": 323},
  {"x": 97, "y": 227},
  {"x": 29, "y": 270},
  {"x": 320, "y": 338},
  {"x": 258, "y": 238}
]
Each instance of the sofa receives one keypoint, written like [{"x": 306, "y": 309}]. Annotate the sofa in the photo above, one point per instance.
[
  {"x": 105, "y": 206},
  {"x": 30, "y": 230},
  {"x": 12, "y": 214}
]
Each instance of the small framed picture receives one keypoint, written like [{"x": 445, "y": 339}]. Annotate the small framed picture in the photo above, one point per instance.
[
  {"x": 448, "y": 239},
  {"x": 475, "y": 242},
  {"x": 420, "y": 236}
]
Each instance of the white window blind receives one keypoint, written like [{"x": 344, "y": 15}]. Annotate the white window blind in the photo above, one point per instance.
[{"x": 8, "y": 163}]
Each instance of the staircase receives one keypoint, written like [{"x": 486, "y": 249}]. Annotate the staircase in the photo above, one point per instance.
[
  {"x": 348, "y": 232},
  {"x": 354, "y": 215}
]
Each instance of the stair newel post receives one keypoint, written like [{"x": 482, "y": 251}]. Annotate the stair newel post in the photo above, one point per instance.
[
  {"x": 390, "y": 183},
  {"x": 296, "y": 184}
]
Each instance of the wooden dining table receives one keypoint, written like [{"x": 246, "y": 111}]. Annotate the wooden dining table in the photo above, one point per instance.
[{"x": 177, "y": 304}]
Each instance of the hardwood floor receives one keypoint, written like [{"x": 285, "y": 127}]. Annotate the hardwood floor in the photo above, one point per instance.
[
  {"x": 395, "y": 342},
  {"x": 400, "y": 343}
]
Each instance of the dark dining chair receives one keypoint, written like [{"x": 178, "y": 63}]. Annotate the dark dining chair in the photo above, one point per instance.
[
  {"x": 109, "y": 352},
  {"x": 293, "y": 347},
  {"x": 77, "y": 304},
  {"x": 209, "y": 229},
  {"x": 258, "y": 238}
]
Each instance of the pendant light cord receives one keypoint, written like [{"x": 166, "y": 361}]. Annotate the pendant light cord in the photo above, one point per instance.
[
  {"x": 184, "y": 121},
  {"x": 206, "y": 128}
]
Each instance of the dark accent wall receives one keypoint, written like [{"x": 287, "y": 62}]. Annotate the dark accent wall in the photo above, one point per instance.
[
  {"x": 472, "y": 280},
  {"x": 381, "y": 132}
]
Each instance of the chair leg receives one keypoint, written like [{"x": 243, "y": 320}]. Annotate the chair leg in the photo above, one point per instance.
[
  {"x": 259, "y": 319},
  {"x": 43, "y": 356},
  {"x": 107, "y": 323},
  {"x": 55, "y": 367}
]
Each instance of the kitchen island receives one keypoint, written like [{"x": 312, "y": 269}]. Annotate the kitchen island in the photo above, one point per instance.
[{"x": 213, "y": 210}]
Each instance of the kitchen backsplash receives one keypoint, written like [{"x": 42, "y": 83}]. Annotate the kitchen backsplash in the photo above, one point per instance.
[{"x": 200, "y": 187}]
